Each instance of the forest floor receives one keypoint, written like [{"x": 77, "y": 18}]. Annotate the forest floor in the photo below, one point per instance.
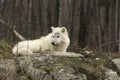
[{"x": 92, "y": 64}]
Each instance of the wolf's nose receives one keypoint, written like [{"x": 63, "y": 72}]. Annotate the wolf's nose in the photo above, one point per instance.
[{"x": 54, "y": 44}]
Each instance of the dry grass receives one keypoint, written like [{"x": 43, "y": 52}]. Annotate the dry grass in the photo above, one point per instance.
[{"x": 5, "y": 50}]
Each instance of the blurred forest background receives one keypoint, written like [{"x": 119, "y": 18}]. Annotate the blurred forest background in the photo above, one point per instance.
[{"x": 91, "y": 23}]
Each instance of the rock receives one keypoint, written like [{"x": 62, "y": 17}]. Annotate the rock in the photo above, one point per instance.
[
  {"x": 37, "y": 67},
  {"x": 35, "y": 74},
  {"x": 66, "y": 73},
  {"x": 37, "y": 60},
  {"x": 82, "y": 76},
  {"x": 115, "y": 65},
  {"x": 30, "y": 66},
  {"x": 24, "y": 61},
  {"x": 33, "y": 66},
  {"x": 22, "y": 78},
  {"x": 97, "y": 59},
  {"x": 7, "y": 69},
  {"x": 114, "y": 72},
  {"x": 111, "y": 75},
  {"x": 44, "y": 60},
  {"x": 48, "y": 77},
  {"x": 88, "y": 52}
]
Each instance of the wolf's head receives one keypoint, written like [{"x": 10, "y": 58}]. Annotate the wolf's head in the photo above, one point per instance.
[
  {"x": 61, "y": 30},
  {"x": 57, "y": 36}
]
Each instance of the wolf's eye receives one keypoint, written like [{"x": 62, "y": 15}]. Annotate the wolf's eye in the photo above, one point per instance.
[
  {"x": 58, "y": 36},
  {"x": 53, "y": 36}
]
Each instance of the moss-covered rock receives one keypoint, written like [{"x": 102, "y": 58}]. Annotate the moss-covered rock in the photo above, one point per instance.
[{"x": 48, "y": 67}]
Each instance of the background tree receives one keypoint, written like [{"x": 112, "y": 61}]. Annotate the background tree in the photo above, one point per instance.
[{"x": 91, "y": 23}]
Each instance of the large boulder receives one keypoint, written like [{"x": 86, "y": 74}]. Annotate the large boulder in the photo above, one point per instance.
[
  {"x": 7, "y": 69},
  {"x": 67, "y": 73},
  {"x": 38, "y": 67},
  {"x": 44, "y": 67},
  {"x": 35, "y": 74},
  {"x": 115, "y": 65},
  {"x": 111, "y": 75}
]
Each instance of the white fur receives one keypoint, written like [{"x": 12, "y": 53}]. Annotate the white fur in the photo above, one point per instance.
[
  {"x": 28, "y": 47},
  {"x": 63, "y": 41},
  {"x": 58, "y": 36}
]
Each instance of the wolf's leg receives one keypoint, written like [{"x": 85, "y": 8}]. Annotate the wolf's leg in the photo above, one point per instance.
[
  {"x": 29, "y": 52},
  {"x": 67, "y": 54}
]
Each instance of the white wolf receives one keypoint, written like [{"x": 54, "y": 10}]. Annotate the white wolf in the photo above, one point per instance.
[{"x": 56, "y": 42}]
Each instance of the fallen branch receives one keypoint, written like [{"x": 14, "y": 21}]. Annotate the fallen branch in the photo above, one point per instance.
[
  {"x": 18, "y": 35},
  {"x": 13, "y": 29},
  {"x": 106, "y": 44}
]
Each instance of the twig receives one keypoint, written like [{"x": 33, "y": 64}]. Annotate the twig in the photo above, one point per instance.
[{"x": 113, "y": 42}]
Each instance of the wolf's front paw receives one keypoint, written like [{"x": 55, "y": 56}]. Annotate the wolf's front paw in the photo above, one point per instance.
[
  {"x": 80, "y": 55},
  {"x": 77, "y": 55}
]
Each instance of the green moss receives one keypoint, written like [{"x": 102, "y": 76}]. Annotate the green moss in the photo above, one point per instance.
[
  {"x": 91, "y": 67},
  {"x": 67, "y": 60},
  {"x": 48, "y": 69}
]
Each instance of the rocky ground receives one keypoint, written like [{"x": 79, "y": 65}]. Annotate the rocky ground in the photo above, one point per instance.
[{"x": 93, "y": 66}]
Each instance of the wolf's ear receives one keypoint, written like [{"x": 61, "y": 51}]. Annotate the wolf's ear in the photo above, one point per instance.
[
  {"x": 63, "y": 29},
  {"x": 52, "y": 28}
]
